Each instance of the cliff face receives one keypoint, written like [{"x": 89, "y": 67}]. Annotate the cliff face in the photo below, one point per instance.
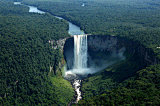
[
  {"x": 102, "y": 51},
  {"x": 102, "y": 43},
  {"x": 106, "y": 44},
  {"x": 144, "y": 54},
  {"x": 69, "y": 52},
  {"x": 148, "y": 55},
  {"x": 58, "y": 44},
  {"x": 106, "y": 50},
  {"x": 117, "y": 45}
]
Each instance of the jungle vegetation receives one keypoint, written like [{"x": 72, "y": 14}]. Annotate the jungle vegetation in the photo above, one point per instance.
[
  {"x": 134, "y": 20},
  {"x": 123, "y": 83},
  {"x": 26, "y": 57}
]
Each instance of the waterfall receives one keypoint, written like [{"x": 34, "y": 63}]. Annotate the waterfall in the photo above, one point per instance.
[{"x": 80, "y": 51}]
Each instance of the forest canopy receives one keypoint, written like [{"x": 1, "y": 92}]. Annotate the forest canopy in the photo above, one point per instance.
[
  {"x": 135, "y": 19},
  {"x": 26, "y": 57}
]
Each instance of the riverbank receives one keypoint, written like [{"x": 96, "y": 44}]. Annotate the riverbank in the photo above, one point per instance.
[{"x": 73, "y": 30}]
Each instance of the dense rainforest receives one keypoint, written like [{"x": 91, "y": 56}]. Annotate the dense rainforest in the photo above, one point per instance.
[
  {"x": 26, "y": 57},
  {"x": 25, "y": 48},
  {"x": 142, "y": 89},
  {"x": 135, "y": 20}
]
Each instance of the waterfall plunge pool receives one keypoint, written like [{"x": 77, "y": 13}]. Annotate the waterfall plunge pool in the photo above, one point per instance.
[
  {"x": 85, "y": 54},
  {"x": 73, "y": 30},
  {"x": 101, "y": 52}
]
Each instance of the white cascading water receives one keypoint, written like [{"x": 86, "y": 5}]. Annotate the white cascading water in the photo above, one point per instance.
[
  {"x": 80, "y": 60},
  {"x": 80, "y": 51}
]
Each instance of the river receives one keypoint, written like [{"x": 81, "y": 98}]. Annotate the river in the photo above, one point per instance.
[{"x": 73, "y": 30}]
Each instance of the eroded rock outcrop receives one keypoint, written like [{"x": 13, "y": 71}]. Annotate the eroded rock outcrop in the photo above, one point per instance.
[
  {"x": 102, "y": 48},
  {"x": 58, "y": 44},
  {"x": 102, "y": 43}
]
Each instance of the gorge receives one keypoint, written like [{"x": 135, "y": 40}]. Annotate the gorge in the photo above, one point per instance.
[
  {"x": 85, "y": 55},
  {"x": 80, "y": 50}
]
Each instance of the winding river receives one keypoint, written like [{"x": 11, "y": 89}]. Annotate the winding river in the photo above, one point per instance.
[{"x": 73, "y": 30}]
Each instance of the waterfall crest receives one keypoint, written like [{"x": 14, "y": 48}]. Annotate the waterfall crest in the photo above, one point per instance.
[{"x": 80, "y": 51}]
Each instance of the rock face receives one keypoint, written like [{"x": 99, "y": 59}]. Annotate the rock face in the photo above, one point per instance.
[
  {"x": 118, "y": 44},
  {"x": 102, "y": 43},
  {"x": 69, "y": 52},
  {"x": 101, "y": 51},
  {"x": 148, "y": 54},
  {"x": 104, "y": 51},
  {"x": 58, "y": 44},
  {"x": 102, "y": 48}
]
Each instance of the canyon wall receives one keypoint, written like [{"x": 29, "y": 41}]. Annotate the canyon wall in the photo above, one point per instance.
[
  {"x": 106, "y": 50},
  {"x": 117, "y": 44}
]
